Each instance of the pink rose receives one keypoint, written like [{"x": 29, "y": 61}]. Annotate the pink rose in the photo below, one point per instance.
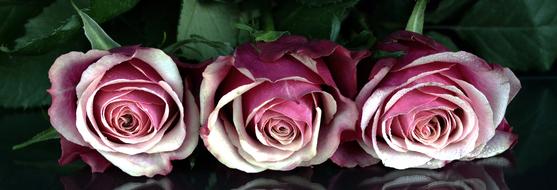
[
  {"x": 431, "y": 107},
  {"x": 127, "y": 106},
  {"x": 278, "y": 105}
]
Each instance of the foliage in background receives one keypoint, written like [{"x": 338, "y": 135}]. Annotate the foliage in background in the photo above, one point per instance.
[{"x": 521, "y": 34}]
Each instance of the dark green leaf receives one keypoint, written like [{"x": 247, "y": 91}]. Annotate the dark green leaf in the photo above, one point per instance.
[
  {"x": 445, "y": 40},
  {"x": 210, "y": 20},
  {"x": 94, "y": 33},
  {"x": 15, "y": 13},
  {"x": 57, "y": 24},
  {"x": 313, "y": 22},
  {"x": 521, "y": 34},
  {"x": 52, "y": 27},
  {"x": 45, "y": 135},
  {"x": 24, "y": 80}
]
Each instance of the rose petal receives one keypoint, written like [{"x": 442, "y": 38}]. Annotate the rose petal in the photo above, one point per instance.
[{"x": 64, "y": 76}]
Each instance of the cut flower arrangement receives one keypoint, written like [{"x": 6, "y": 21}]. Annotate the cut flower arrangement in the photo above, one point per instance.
[{"x": 278, "y": 102}]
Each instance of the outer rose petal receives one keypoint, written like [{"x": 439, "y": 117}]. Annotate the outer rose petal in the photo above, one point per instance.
[
  {"x": 212, "y": 77},
  {"x": 502, "y": 141},
  {"x": 71, "y": 151},
  {"x": 217, "y": 140},
  {"x": 64, "y": 76}
]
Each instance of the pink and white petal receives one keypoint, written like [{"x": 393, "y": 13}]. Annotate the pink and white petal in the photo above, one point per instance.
[
  {"x": 285, "y": 89},
  {"x": 71, "y": 151},
  {"x": 174, "y": 138},
  {"x": 191, "y": 119},
  {"x": 212, "y": 77},
  {"x": 214, "y": 133},
  {"x": 100, "y": 141},
  {"x": 498, "y": 84},
  {"x": 164, "y": 65},
  {"x": 381, "y": 70},
  {"x": 159, "y": 163},
  {"x": 399, "y": 160},
  {"x": 329, "y": 137},
  {"x": 64, "y": 76},
  {"x": 500, "y": 142},
  {"x": 481, "y": 106},
  {"x": 302, "y": 157},
  {"x": 89, "y": 136},
  {"x": 248, "y": 62},
  {"x": 140, "y": 164},
  {"x": 97, "y": 70},
  {"x": 257, "y": 151}
]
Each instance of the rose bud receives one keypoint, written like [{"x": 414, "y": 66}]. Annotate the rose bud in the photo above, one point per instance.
[
  {"x": 278, "y": 105},
  {"x": 430, "y": 107},
  {"x": 127, "y": 106}
]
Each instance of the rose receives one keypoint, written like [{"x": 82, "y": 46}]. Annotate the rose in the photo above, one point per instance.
[
  {"x": 430, "y": 106},
  {"x": 127, "y": 106},
  {"x": 278, "y": 105}
]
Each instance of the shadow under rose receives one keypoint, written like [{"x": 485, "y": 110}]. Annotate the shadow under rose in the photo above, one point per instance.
[{"x": 485, "y": 174}]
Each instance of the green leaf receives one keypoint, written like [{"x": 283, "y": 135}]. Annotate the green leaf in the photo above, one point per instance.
[
  {"x": 445, "y": 40},
  {"x": 57, "y": 24},
  {"x": 13, "y": 14},
  {"x": 315, "y": 22},
  {"x": 520, "y": 34},
  {"x": 210, "y": 20},
  {"x": 335, "y": 28},
  {"x": 416, "y": 21},
  {"x": 49, "y": 29},
  {"x": 95, "y": 34},
  {"x": 24, "y": 80},
  {"x": 45, "y": 135},
  {"x": 268, "y": 36}
]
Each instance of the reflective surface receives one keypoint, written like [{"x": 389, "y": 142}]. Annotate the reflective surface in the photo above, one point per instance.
[{"x": 532, "y": 164}]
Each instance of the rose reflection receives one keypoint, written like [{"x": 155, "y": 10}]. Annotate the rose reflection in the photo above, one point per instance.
[
  {"x": 117, "y": 180},
  {"x": 477, "y": 175},
  {"x": 484, "y": 174},
  {"x": 300, "y": 178}
]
